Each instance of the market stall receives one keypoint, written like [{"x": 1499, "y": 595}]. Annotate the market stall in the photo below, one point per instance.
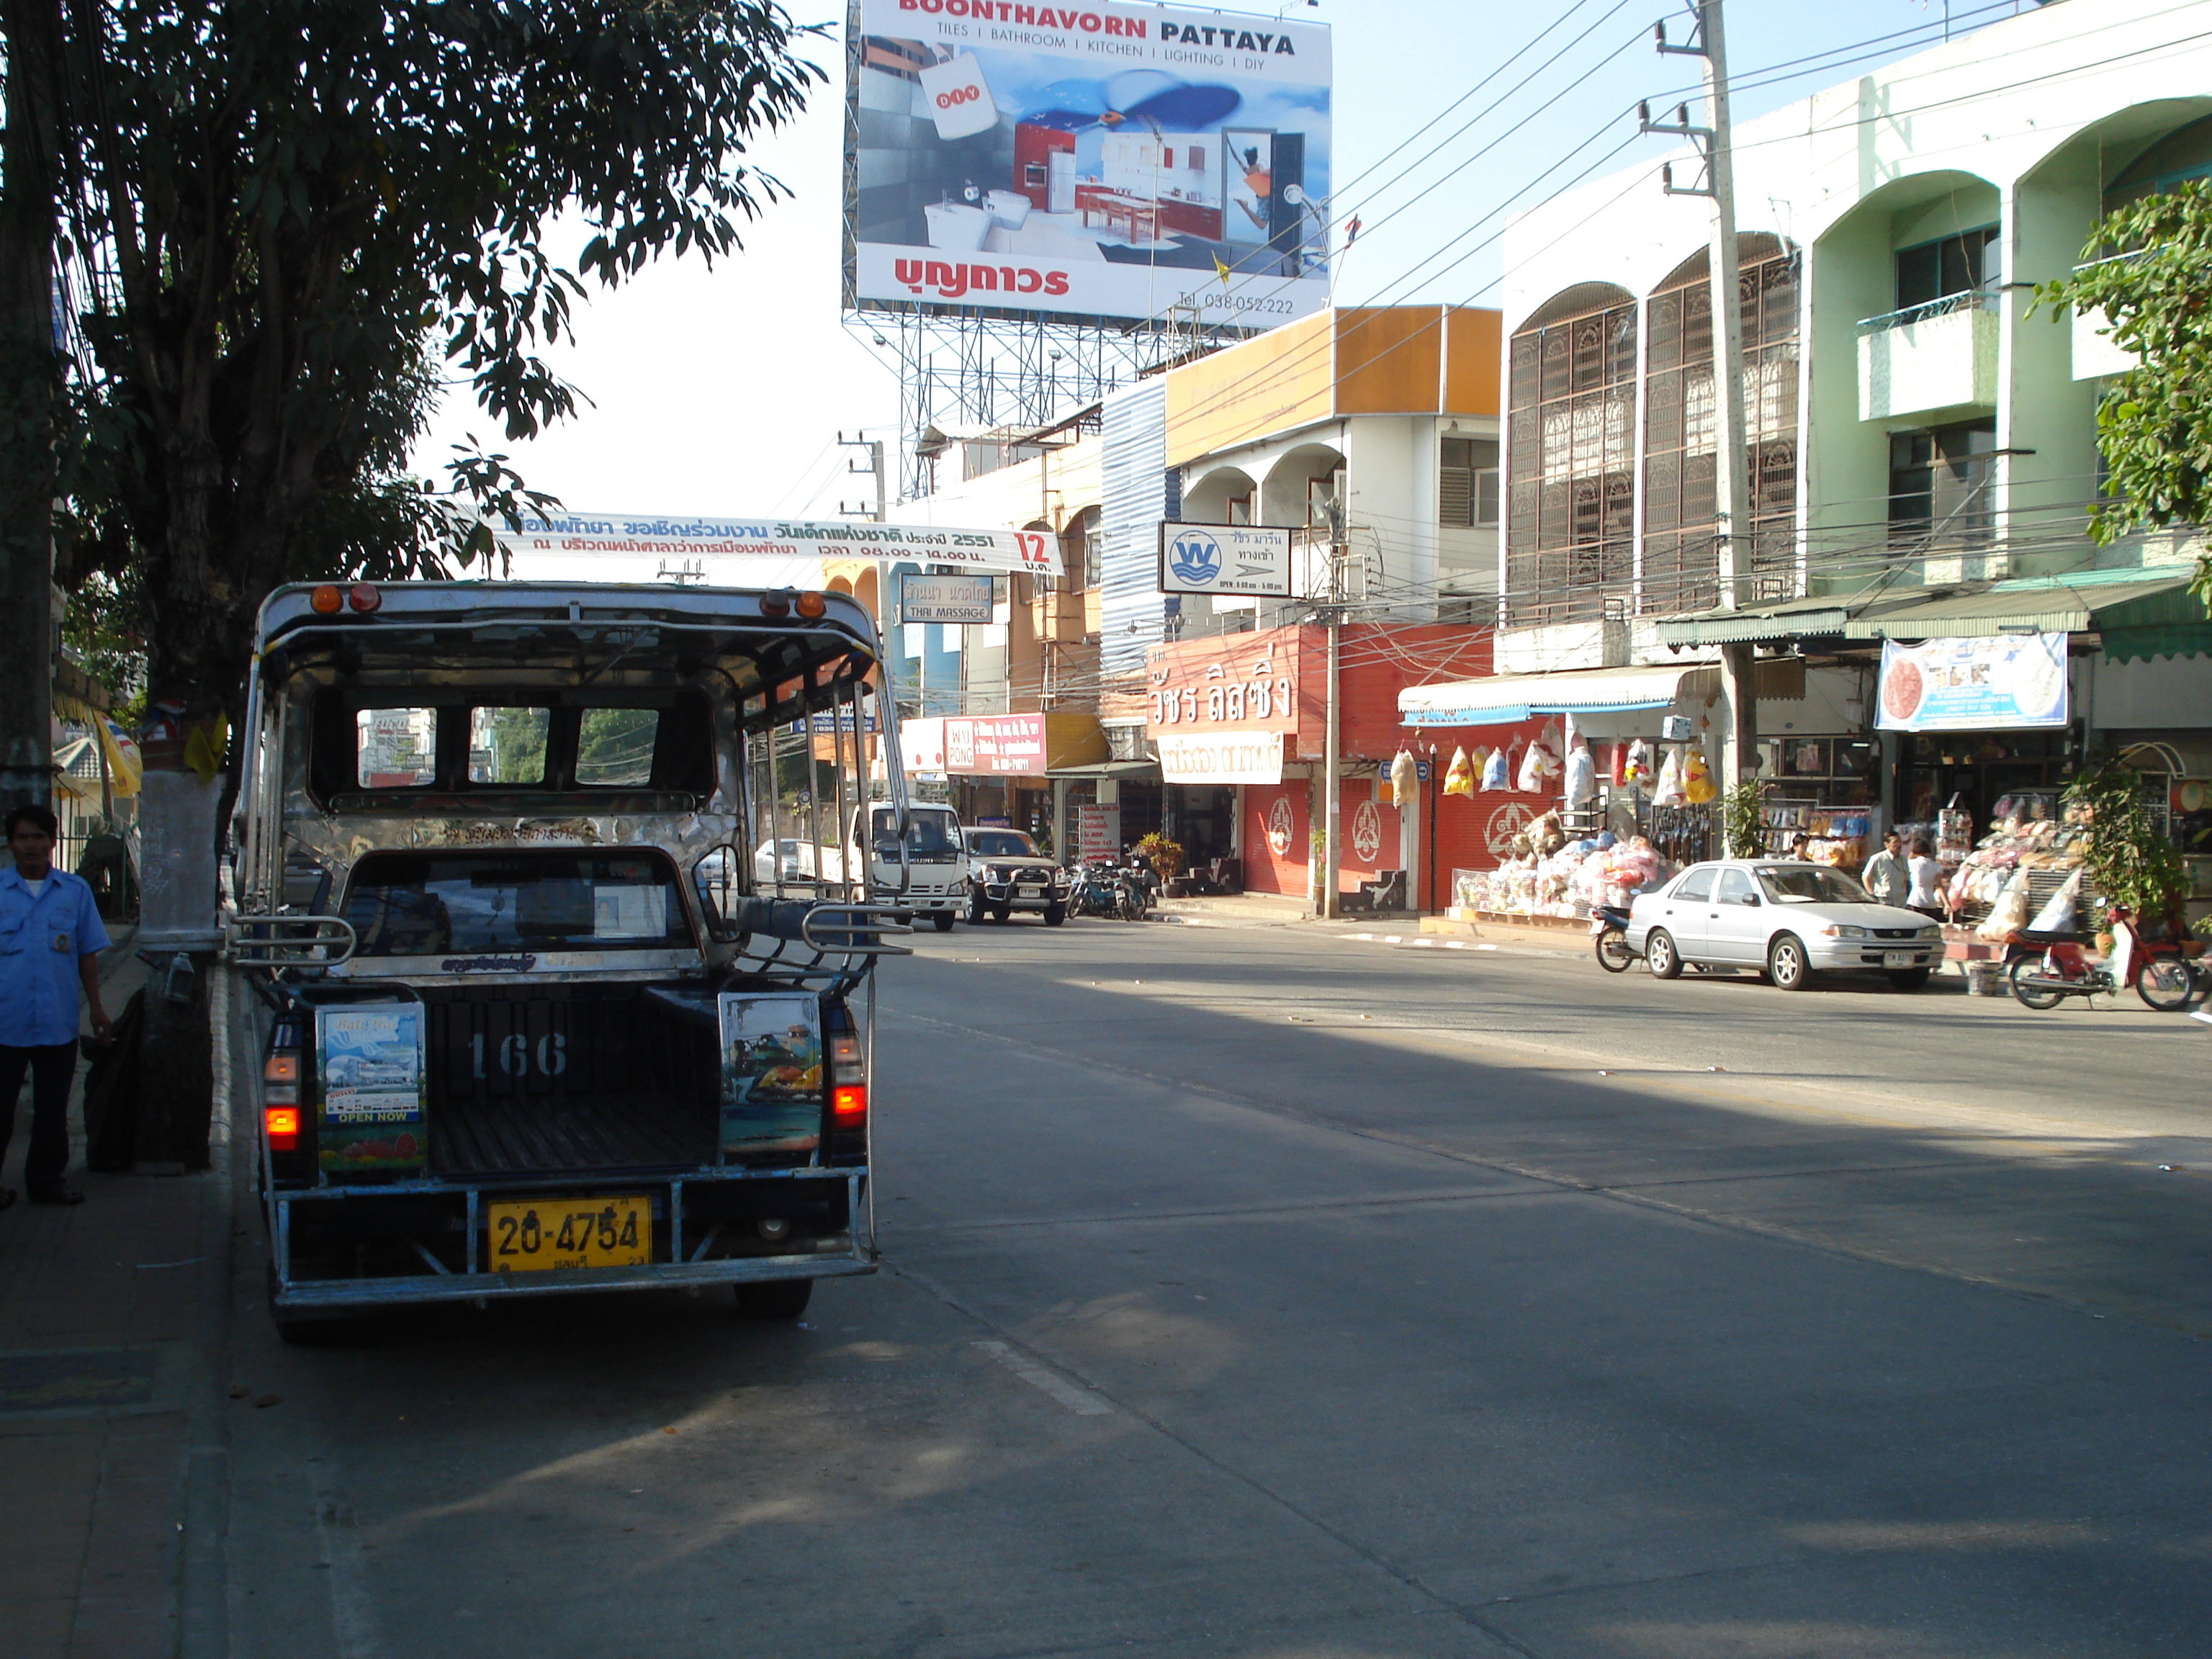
[{"x": 1547, "y": 874}]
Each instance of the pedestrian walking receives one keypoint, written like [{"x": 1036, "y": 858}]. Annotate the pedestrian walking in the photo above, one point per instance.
[
  {"x": 1885, "y": 875},
  {"x": 1926, "y": 891},
  {"x": 49, "y": 944}
]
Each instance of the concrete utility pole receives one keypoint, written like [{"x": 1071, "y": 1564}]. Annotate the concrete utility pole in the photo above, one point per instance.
[
  {"x": 1331, "y": 839},
  {"x": 1731, "y": 485}
]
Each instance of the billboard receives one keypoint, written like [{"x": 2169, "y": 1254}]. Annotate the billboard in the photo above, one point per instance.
[
  {"x": 1109, "y": 161},
  {"x": 1031, "y": 551},
  {"x": 1224, "y": 558},
  {"x": 1973, "y": 685}
]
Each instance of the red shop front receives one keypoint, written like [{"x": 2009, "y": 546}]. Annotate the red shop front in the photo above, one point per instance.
[{"x": 1251, "y": 709}]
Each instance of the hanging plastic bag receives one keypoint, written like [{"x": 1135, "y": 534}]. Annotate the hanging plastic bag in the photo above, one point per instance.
[
  {"x": 1459, "y": 776},
  {"x": 1538, "y": 768},
  {"x": 1698, "y": 786},
  {"x": 1667, "y": 791},
  {"x": 2010, "y": 914},
  {"x": 1405, "y": 779},
  {"x": 1635, "y": 767},
  {"x": 1581, "y": 775},
  {"x": 2059, "y": 913},
  {"x": 1495, "y": 772}
]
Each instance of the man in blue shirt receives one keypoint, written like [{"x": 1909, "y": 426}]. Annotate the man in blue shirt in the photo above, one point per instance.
[{"x": 49, "y": 944}]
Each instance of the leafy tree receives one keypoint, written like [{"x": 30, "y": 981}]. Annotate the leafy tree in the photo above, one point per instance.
[
  {"x": 286, "y": 221},
  {"x": 2126, "y": 858},
  {"x": 290, "y": 210},
  {"x": 2150, "y": 271}
]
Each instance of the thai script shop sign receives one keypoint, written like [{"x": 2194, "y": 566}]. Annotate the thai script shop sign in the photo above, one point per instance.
[
  {"x": 1221, "y": 756},
  {"x": 1973, "y": 685},
  {"x": 945, "y": 600},
  {"x": 1029, "y": 550},
  {"x": 1225, "y": 558}
]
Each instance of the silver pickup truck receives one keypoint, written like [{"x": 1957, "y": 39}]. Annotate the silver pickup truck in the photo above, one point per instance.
[{"x": 529, "y": 1022}]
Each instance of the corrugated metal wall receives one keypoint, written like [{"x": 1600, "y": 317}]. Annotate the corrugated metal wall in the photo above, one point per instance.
[{"x": 1133, "y": 612}]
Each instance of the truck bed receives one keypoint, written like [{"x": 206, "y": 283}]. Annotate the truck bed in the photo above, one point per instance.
[{"x": 608, "y": 1079}]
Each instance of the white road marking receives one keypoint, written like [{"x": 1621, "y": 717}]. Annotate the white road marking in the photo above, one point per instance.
[{"x": 1082, "y": 1401}]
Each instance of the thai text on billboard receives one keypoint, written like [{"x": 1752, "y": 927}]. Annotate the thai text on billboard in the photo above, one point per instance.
[
  {"x": 1105, "y": 161},
  {"x": 1029, "y": 550}
]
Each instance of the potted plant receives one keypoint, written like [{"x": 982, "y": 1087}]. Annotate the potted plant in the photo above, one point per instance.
[{"x": 1164, "y": 856}]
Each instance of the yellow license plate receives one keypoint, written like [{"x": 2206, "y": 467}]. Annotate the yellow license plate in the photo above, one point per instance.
[{"x": 531, "y": 1235}]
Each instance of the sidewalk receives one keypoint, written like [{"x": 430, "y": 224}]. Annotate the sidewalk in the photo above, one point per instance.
[
  {"x": 1270, "y": 909},
  {"x": 104, "y": 1313}
]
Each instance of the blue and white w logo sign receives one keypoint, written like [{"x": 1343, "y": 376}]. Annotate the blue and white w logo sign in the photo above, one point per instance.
[{"x": 1194, "y": 557}]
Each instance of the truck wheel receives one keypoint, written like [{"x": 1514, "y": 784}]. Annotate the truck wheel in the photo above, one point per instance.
[
  {"x": 942, "y": 921},
  {"x": 1005, "y": 913},
  {"x": 775, "y": 1298},
  {"x": 975, "y": 910},
  {"x": 1054, "y": 915}
]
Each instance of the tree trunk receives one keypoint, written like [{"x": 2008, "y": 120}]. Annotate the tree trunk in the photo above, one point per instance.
[{"x": 30, "y": 390}]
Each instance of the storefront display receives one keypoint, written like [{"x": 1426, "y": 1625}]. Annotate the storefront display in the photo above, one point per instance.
[
  {"x": 2028, "y": 832},
  {"x": 1835, "y": 835},
  {"x": 1548, "y": 875}
]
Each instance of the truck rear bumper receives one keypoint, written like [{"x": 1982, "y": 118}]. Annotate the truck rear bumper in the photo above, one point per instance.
[
  {"x": 336, "y": 1294},
  {"x": 434, "y": 1246}
]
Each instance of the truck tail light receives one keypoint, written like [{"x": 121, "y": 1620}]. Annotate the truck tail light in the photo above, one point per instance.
[
  {"x": 848, "y": 1102},
  {"x": 846, "y": 1061},
  {"x": 281, "y": 1125}
]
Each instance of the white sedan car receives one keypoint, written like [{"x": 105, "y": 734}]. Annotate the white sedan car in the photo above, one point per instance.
[{"x": 1790, "y": 920}]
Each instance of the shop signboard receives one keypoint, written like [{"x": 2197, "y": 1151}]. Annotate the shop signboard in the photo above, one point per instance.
[
  {"x": 1032, "y": 552},
  {"x": 996, "y": 745},
  {"x": 1106, "y": 160},
  {"x": 1221, "y": 756},
  {"x": 946, "y": 598},
  {"x": 1098, "y": 831},
  {"x": 1225, "y": 558},
  {"x": 1238, "y": 682},
  {"x": 2005, "y": 680},
  {"x": 921, "y": 745}
]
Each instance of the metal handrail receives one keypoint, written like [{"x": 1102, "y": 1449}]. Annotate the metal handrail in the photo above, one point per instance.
[
  {"x": 288, "y": 941},
  {"x": 1971, "y": 299},
  {"x": 862, "y": 926}
]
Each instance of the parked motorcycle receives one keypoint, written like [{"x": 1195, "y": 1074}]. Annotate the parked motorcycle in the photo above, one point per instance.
[
  {"x": 1610, "y": 938},
  {"x": 1103, "y": 887},
  {"x": 2044, "y": 969}
]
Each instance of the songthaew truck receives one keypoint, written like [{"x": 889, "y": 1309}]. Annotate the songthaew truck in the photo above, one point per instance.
[{"x": 532, "y": 1016}]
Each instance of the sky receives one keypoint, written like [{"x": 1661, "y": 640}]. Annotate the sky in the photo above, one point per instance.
[{"x": 723, "y": 390}]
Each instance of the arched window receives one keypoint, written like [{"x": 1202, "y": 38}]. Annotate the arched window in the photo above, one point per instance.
[
  {"x": 1569, "y": 469},
  {"x": 1682, "y": 552}
]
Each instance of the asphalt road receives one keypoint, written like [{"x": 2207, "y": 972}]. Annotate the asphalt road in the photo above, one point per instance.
[{"x": 1257, "y": 1292}]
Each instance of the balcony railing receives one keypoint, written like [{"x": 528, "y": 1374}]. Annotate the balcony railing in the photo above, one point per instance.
[
  {"x": 1972, "y": 299},
  {"x": 1939, "y": 356}
]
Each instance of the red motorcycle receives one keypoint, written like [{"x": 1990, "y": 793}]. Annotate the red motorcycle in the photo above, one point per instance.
[{"x": 2044, "y": 969}]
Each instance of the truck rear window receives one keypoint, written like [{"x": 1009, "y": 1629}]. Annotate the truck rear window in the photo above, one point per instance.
[{"x": 418, "y": 905}]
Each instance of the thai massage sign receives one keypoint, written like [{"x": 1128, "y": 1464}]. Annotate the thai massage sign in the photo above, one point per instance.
[{"x": 1973, "y": 685}]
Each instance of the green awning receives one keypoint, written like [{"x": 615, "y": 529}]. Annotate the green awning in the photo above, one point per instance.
[
  {"x": 2189, "y": 639},
  {"x": 2078, "y": 603}
]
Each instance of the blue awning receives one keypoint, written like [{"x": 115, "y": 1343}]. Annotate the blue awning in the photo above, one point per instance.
[{"x": 1503, "y": 699}]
